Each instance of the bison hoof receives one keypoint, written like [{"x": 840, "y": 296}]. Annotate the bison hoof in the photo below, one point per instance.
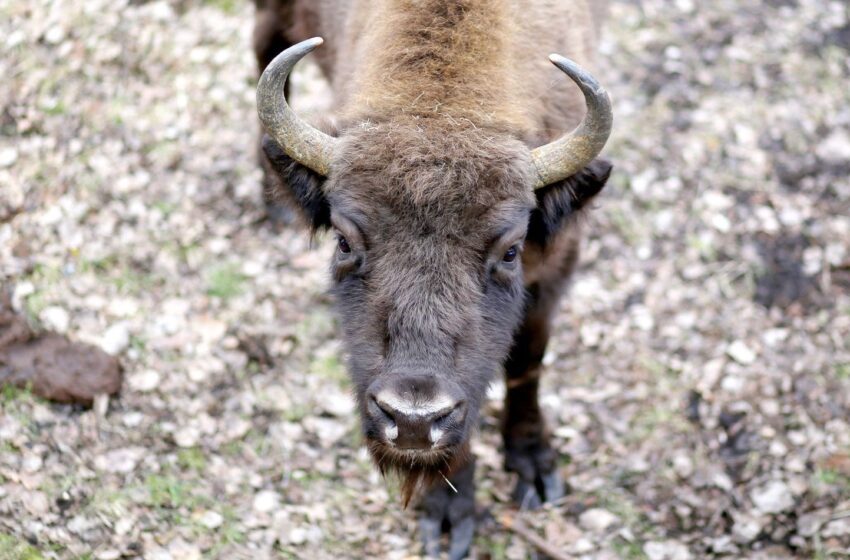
[
  {"x": 460, "y": 537},
  {"x": 443, "y": 507},
  {"x": 539, "y": 480}
]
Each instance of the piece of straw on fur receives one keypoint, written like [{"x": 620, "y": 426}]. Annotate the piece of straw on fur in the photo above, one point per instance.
[
  {"x": 452, "y": 486},
  {"x": 515, "y": 525}
]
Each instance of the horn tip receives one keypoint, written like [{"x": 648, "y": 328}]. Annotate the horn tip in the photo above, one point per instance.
[{"x": 563, "y": 62}]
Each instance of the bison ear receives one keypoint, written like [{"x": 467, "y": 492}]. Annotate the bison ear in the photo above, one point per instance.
[
  {"x": 295, "y": 185},
  {"x": 560, "y": 202}
]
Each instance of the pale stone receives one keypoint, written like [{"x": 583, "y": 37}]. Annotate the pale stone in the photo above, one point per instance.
[
  {"x": 122, "y": 460},
  {"x": 115, "y": 339},
  {"x": 666, "y": 550},
  {"x": 55, "y": 318},
  {"x": 810, "y": 523},
  {"x": 8, "y": 156},
  {"x": 597, "y": 520},
  {"x": 741, "y": 353},
  {"x": 836, "y": 147},
  {"x": 773, "y": 497},
  {"x": 144, "y": 381},
  {"x": 265, "y": 501},
  {"x": 746, "y": 528},
  {"x": 211, "y": 519},
  {"x": 683, "y": 465},
  {"x": 337, "y": 403},
  {"x": 187, "y": 436}
]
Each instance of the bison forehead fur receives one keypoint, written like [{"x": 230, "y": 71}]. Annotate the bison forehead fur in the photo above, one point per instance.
[{"x": 432, "y": 171}]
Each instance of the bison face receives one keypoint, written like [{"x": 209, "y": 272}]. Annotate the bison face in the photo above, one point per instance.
[
  {"x": 431, "y": 222},
  {"x": 428, "y": 308},
  {"x": 431, "y": 213}
]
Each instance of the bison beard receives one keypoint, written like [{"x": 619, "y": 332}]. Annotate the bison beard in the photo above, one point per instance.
[{"x": 419, "y": 473}]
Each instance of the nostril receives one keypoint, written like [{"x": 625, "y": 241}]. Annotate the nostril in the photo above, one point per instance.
[
  {"x": 382, "y": 410},
  {"x": 446, "y": 421},
  {"x": 385, "y": 417}
]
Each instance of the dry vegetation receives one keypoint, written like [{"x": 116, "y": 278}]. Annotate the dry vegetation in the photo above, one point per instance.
[{"x": 698, "y": 385}]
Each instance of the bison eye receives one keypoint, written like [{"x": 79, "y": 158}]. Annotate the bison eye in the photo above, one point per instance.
[
  {"x": 510, "y": 254},
  {"x": 343, "y": 245}
]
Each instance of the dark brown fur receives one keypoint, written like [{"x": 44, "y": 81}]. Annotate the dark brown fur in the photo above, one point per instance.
[{"x": 438, "y": 104}]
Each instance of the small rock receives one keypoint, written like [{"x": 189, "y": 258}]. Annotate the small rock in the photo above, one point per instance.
[
  {"x": 583, "y": 546},
  {"x": 835, "y": 148},
  {"x": 265, "y": 501},
  {"x": 810, "y": 523},
  {"x": 210, "y": 330},
  {"x": 236, "y": 428},
  {"x": 591, "y": 334},
  {"x": 115, "y": 339},
  {"x": 157, "y": 553},
  {"x": 329, "y": 431},
  {"x": 81, "y": 524},
  {"x": 741, "y": 353},
  {"x": 54, "y": 35},
  {"x": 8, "y": 156},
  {"x": 337, "y": 403},
  {"x": 297, "y": 535},
  {"x": 122, "y": 460},
  {"x": 666, "y": 550},
  {"x": 597, "y": 520},
  {"x": 746, "y": 528},
  {"x": 773, "y": 497},
  {"x": 37, "y": 504},
  {"x": 122, "y": 307},
  {"x": 124, "y": 525},
  {"x": 187, "y": 436},
  {"x": 31, "y": 464},
  {"x": 769, "y": 407},
  {"x": 184, "y": 551},
  {"x": 732, "y": 384},
  {"x": 837, "y": 528},
  {"x": 683, "y": 465},
  {"x": 211, "y": 519},
  {"x": 55, "y": 318},
  {"x": 723, "y": 545},
  {"x": 132, "y": 419},
  {"x": 144, "y": 381}
]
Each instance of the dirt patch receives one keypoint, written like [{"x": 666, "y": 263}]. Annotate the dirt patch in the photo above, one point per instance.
[{"x": 52, "y": 366}]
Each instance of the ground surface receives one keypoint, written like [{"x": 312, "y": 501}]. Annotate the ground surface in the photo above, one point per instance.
[{"x": 698, "y": 383}]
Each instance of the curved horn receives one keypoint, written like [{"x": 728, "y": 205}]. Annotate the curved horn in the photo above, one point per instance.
[
  {"x": 298, "y": 139},
  {"x": 570, "y": 153}
]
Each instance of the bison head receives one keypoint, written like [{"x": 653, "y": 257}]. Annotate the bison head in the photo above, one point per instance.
[{"x": 431, "y": 217}]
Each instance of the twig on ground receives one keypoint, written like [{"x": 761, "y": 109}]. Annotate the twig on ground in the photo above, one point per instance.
[{"x": 512, "y": 523}]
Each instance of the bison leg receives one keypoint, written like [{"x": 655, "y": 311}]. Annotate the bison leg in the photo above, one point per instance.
[
  {"x": 527, "y": 449},
  {"x": 443, "y": 506}
]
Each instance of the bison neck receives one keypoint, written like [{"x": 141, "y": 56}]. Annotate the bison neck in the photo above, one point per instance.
[{"x": 437, "y": 58}]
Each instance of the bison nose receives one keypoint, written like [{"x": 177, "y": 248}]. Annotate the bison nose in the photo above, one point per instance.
[{"x": 416, "y": 425}]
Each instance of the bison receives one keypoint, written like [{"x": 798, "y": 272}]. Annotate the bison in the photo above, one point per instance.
[{"x": 454, "y": 194}]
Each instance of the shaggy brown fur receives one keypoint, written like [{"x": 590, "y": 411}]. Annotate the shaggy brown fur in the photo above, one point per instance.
[{"x": 438, "y": 104}]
